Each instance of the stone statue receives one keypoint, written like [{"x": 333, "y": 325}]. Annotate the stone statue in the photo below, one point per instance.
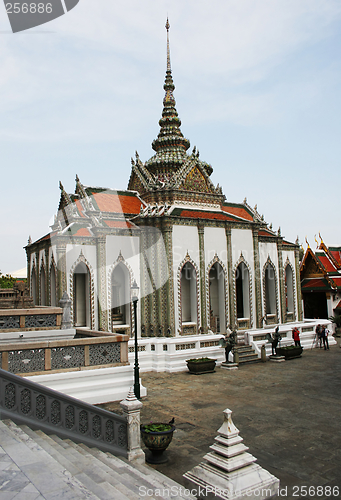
[
  {"x": 274, "y": 339},
  {"x": 228, "y": 342}
]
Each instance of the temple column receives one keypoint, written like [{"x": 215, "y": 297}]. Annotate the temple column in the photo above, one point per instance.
[
  {"x": 168, "y": 292},
  {"x": 203, "y": 326},
  {"x": 257, "y": 278},
  {"x": 232, "y": 317},
  {"x": 298, "y": 285},
  {"x": 47, "y": 278},
  {"x": 103, "y": 324},
  {"x": 61, "y": 269},
  {"x": 281, "y": 280}
]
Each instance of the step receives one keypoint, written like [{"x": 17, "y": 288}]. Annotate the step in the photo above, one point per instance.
[
  {"x": 77, "y": 471},
  {"x": 37, "y": 468}
]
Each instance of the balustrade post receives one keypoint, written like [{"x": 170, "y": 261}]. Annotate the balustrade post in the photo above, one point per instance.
[
  {"x": 65, "y": 304},
  {"x": 131, "y": 410}
]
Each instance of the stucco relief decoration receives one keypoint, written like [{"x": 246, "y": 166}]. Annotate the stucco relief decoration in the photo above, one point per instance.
[
  {"x": 188, "y": 259},
  {"x": 239, "y": 261},
  {"x": 82, "y": 259},
  {"x": 33, "y": 273},
  {"x": 195, "y": 181},
  {"x": 288, "y": 263},
  {"x": 269, "y": 262},
  {"x": 120, "y": 260},
  {"x": 208, "y": 269}
]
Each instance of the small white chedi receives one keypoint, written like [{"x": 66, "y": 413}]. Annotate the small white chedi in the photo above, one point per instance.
[{"x": 230, "y": 472}]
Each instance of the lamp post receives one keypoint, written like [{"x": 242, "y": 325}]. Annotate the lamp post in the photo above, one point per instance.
[{"x": 135, "y": 297}]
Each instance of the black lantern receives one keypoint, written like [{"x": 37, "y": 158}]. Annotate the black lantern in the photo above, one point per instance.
[{"x": 134, "y": 291}]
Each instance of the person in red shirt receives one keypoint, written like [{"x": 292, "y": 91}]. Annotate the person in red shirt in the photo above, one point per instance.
[{"x": 296, "y": 336}]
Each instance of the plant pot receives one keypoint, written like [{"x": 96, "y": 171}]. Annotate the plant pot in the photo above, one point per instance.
[
  {"x": 201, "y": 365},
  {"x": 289, "y": 352},
  {"x": 156, "y": 442}
]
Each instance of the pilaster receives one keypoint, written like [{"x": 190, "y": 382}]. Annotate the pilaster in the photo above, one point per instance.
[
  {"x": 169, "y": 286},
  {"x": 204, "y": 328},
  {"x": 102, "y": 302},
  {"x": 232, "y": 319},
  {"x": 47, "y": 278},
  {"x": 61, "y": 269},
  {"x": 281, "y": 279},
  {"x": 36, "y": 298},
  {"x": 257, "y": 278},
  {"x": 298, "y": 285}
]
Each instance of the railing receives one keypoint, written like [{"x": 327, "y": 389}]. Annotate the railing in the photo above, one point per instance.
[
  {"x": 38, "y": 318},
  {"x": 64, "y": 355},
  {"x": 28, "y": 403}
]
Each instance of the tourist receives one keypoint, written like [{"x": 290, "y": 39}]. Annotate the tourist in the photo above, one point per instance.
[
  {"x": 324, "y": 338},
  {"x": 318, "y": 337},
  {"x": 296, "y": 336}
]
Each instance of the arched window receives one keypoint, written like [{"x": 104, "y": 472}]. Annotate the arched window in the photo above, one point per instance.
[
  {"x": 81, "y": 294},
  {"x": 289, "y": 289},
  {"x": 216, "y": 278},
  {"x": 53, "y": 286},
  {"x": 120, "y": 296},
  {"x": 243, "y": 291},
  {"x": 189, "y": 294},
  {"x": 270, "y": 290},
  {"x": 42, "y": 287}
]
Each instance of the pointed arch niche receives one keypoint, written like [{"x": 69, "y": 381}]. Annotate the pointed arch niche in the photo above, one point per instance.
[
  {"x": 242, "y": 294},
  {"x": 216, "y": 296},
  {"x": 82, "y": 293},
  {"x": 290, "y": 297},
  {"x": 270, "y": 293},
  {"x": 188, "y": 297},
  {"x": 34, "y": 284},
  {"x": 42, "y": 287},
  {"x": 120, "y": 279}
]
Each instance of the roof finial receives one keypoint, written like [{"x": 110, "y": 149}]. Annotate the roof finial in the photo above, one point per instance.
[{"x": 168, "y": 51}]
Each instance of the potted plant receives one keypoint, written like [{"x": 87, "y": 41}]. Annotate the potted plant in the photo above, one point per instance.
[
  {"x": 197, "y": 366},
  {"x": 337, "y": 322},
  {"x": 289, "y": 352},
  {"x": 157, "y": 436}
]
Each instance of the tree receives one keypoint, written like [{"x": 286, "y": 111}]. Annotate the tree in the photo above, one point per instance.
[{"x": 7, "y": 281}]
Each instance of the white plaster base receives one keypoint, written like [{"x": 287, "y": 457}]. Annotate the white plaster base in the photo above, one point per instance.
[
  {"x": 229, "y": 366},
  {"x": 277, "y": 359},
  {"x": 230, "y": 472},
  {"x": 101, "y": 385},
  {"x": 252, "y": 482}
]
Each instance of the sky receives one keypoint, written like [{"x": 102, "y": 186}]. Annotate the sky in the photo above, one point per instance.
[{"x": 257, "y": 90}]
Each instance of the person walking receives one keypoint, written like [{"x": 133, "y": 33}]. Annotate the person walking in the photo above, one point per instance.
[{"x": 296, "y": 336}]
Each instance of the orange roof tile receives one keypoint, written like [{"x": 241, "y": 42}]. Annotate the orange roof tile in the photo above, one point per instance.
[
  {"x": 264, "y": 232},
  {"x": 119, "y": 223},
  {"x": 115, "y": 203},
  {"x": 337, "y": 255},
  {"x": 238, "y": 212},
  {"x": 80, "y": 208},
  {"x": 83, "y": 231},
  {"x": 337, "y": 281},
  {"x": 196, "y": 214}
]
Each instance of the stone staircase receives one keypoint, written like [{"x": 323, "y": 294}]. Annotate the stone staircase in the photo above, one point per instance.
[
  {"x": 247, "y": 354},
  {"x": 37, "y": 466}
]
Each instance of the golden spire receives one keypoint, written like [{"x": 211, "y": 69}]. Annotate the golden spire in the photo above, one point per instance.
[{"x": 168, "y": 51}]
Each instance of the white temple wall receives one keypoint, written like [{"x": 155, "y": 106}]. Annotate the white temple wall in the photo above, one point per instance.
[
  {"x": 215, "y": 244},
  {"x": 289, "y": 256},
  {"x": 185, "y": 240}
]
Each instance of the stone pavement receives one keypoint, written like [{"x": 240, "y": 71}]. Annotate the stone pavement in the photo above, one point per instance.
[{"x": 287, "y": 413}]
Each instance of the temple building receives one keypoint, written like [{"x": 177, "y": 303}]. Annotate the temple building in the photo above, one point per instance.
[
  {"x": 201, "y": 262},
  {"x": 321, "y": 281}
]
